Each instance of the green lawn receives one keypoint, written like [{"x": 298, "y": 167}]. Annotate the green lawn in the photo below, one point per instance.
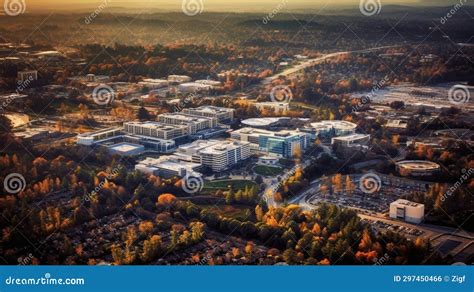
[
  {"x": 268, "y": 170},
  {"x": 224, "y": 185}
]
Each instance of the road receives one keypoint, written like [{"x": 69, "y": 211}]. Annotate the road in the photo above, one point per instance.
[
  {"x": 312, "y": 62},
  {"x": 437, "y": 234}
]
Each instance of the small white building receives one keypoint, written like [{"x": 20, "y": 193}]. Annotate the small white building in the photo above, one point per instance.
[
  {"x": 407, "y": 211},
  {"x": 126, "y": 149},
  {"x": 268, "y": 160},
  {"x": 276, "y": 106},
  {"x": 177, "y": 79},
  {"x": 30, "y": 75},
  {"x": 354, "y": 139}
]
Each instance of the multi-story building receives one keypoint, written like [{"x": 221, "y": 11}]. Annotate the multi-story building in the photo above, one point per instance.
[
  {"x": 329, "y": 129},
  {"x": 215, "y": 154},
  {"x": 177, "y": 79},
  {"x": 156, "y": 130},
  {"x": 30, "y": 75},
  {"x": 168, "y": 166},
  {"x": 108, "y": 137},
  {"x": 223, "y": 115},
  {"x": 279, "y": 107},
  {"x": 194, "y": 123},
  {"x": 351, "y": 140},
  {"x": 407, "y": 211},
  {"x": 282, "y": 143}
]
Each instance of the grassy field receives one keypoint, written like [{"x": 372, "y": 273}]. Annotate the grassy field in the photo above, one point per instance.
[
  {"x": 268, "y": 170},
  {"x": 224, "y": 185}
]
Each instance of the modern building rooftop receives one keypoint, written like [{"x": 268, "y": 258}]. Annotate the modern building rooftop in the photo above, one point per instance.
[
  {"x": 260, "y": 122},
  {"x": 418, "y": 165},
  {"x": 338, "y": 125}
]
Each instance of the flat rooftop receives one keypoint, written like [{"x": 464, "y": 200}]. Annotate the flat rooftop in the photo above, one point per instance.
[
  {"x": 126, "y": 147},
  {"x": 260, "y": 122},
  {"x": 407, "y": 203},
  {"x": 156, "y": 125},
  {"x": 212, "y": 109},
  {"x": 352, "y": 137},
  {"x": 418, "y": 165},
  {"x": 338, "y": 125}
]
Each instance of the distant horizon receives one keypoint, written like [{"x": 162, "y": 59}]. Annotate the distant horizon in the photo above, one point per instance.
[{"x": 220, "y": 6}]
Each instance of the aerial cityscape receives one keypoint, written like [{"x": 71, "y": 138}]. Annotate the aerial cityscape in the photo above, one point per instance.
[{"x": 284, "y": 133}]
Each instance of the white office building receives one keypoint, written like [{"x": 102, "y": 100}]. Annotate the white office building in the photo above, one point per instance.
[
  {"x": 168, "y": 166},
  {"x": 407, "y": 211},
  {"x": 178, "y": 79},
  {"x": 156, "y": 130},
  {"x": 216, "y": 154},
  {"x": 223, "y": 114},
  {"x": 350, "y": 140},
  {"x": 194, "y": 123},
  {"x": 282, "y": 143}
]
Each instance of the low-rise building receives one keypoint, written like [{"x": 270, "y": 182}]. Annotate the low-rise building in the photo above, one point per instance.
[
  {"x": 178, "y": 79},
  {"x": 334, "y": 128},
  {"x": 168, "y": 166},
  {"x": 218, "y": 155},
  {"x": 29, "y": 75},
  {"x": 156, "y": 130},
  {"x": 268, "y": 160},
  {"x": 281, "y": 143},
  {"x": 154, "y": 83},
  {"x": 126, "y": 149},
  {"x": 223, "y": 114},
  {"x": 407, "y": 211},
  {"x": 194, "y": 123},
  {"x": 193, "y": 87},
  {"x": 351, "y": 140},
  {"x": 417, "y": 168},
  {"x": 279, "y": 107}
]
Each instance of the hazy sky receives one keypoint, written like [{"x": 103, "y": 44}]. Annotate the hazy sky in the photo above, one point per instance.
[{"x": 214, "y": 5}]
